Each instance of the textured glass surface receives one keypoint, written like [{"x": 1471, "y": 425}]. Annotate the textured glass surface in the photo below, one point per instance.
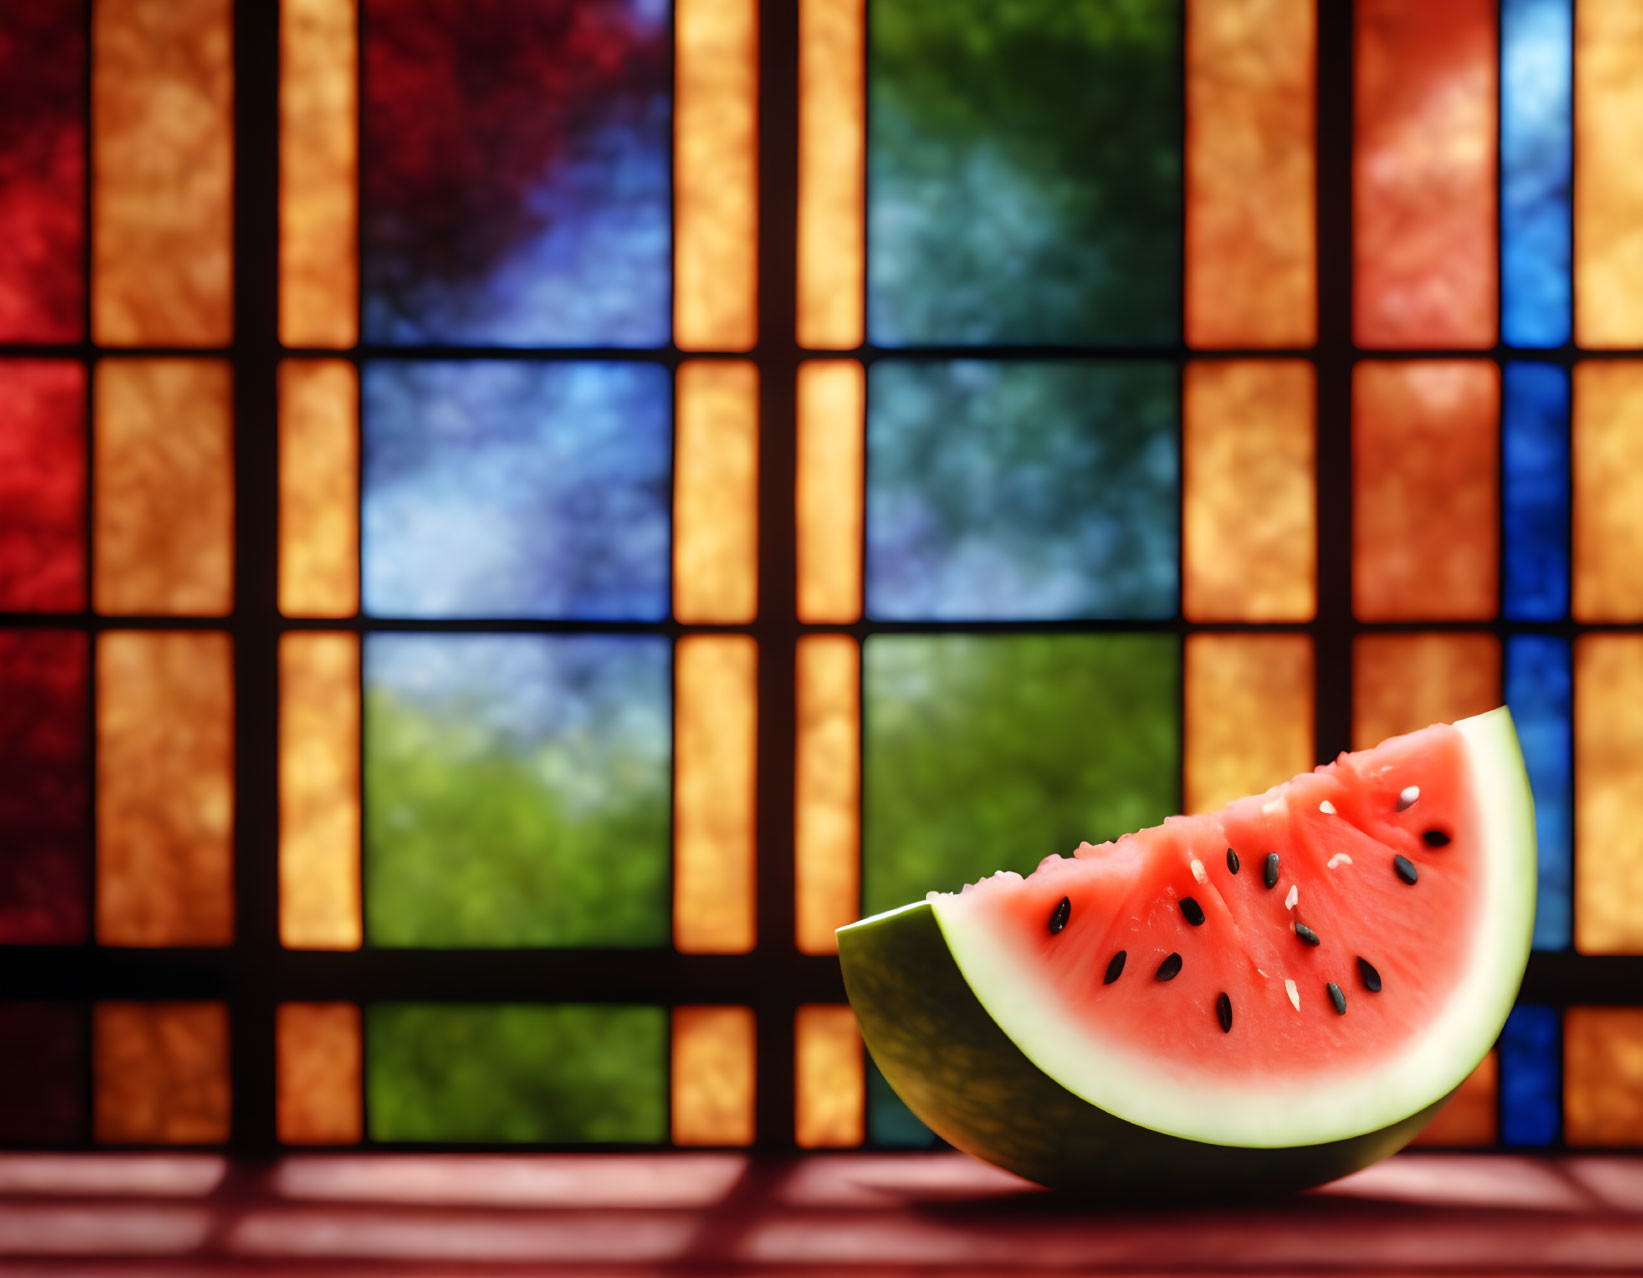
[
  {"x": 516, "y": 1072},
  {"x": 716, "y": 492},
  {"x": 46, "y": 822},
  {"x": 832, "y": 172},
  {"x": 829, "y": 1086},
  {"x": 516, "y": 790},
  {"x": 319, "y": 487},
  {"x": 1609, "y": 796},
  {"x": 1425, "y": 450},
  {"x": 1535, "y": 164},
  {"x": 163, "y": 540},
  {"x": 713, "y": 1076},
  {"x": 502, "y": 489},
  {"x": 1248, "y": 715},
  {"x": 1603, "y": 1076},
  {"x": 1535, "y": 459},
  {"x": 1021, "y": 490},
  {"x": 165, "y": 788},
  {"x": 1531, "y": 1083},
  {"x": 317, "y": 1074},
  {"x": 828, "y": 495},
  {"x": 1404, "y": 682},
  {"x": 1423, "y": 187},
  {"x": 1608, "y": 180},
  {"x": 42, "y": 1073},
  {"x": 989, "y": 753},
  {"x": 827, "y": 786},
  {"x": 889, "y": 1122},
  {"x": 42, "y": 486},
  {"x": 1470, "y": 1117},
  {"x": 162, "y": 187},
  {"x": 1607, "y": 442},
  {"x": 1251, "y": 276},
  {"x": 160, "y": 1073},
  {"x": 1003, "y": 204},
  {"x": 42, "y": 170},
  {"x": 1250, "y": 498},
  {"x": 1539, "y": 692},
  {"x": 516, "y": 173}
]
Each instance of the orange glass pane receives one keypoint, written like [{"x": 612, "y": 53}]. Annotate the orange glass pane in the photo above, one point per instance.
[
  {"x": 319, "y": 791},
  {"x": 1609, "y": 794},
  {"x": 830, "y": 1079},
  {"x": 319, "y": 488},
  {"x": 715, "y": 174},
  {"x": 162, "y": 180},
  {"x": 1603, "y": 1076},
  {"x": 715, "y": 731},
  {"x": 832, "y": 173},
  {"x": 827, "y": 816},
  {"x": 1607, "y": 460},
  {"x": 1425, "y": 496},
  {"x": 1471, "y": 1115},
  {"x": 1608, "y": 198},
  {"x": 165, "y": 788},
  {"x": 164, "y": 483},
  {"x": 1404, "y": 682},
  {"x": 1423, "y": 174},
  {"x": 1248, "y": 715},
  {"x": 160, "y": 1073},
  {"x": 1250, "y": 495},
  {"x": 1251, "y": 276},
  {"x": 317, "y": 1074},
  {"x": 319, "y": 157},
  {"x": 832, "y": 425},
  {"x": 713, "y": 1054},
  {"x": 716, "y": 492}
]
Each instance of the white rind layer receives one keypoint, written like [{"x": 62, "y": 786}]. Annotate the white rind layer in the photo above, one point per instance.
[{"x": 1196, "y": 1106}]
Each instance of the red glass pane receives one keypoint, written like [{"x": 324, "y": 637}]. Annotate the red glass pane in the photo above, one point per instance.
[
  {"x": 42, "y": 1073},
  {"x": 44, "y": 828},
  {"x": 42, "y": 170},
  {"x": 42, "y": 485}
]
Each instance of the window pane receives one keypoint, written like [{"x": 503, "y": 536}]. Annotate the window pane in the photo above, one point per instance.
[
  {"x": 1536, "y": 460},
  {"x": 1423, "y": 177},
  {"x": 1609, "y": 794},
  {"x": 716, "y": 492},
  {"x": 500, "y": 489},
  {"x": 1251, "y": 72},
  {"x": 1401, "y": 683},
  {"x": 516, "y": 186},
  {"x": 161, "y": 1073},
  {"x": 832, "y": 172},
  {"x": 827, "y": 813},
  {"x": 1538, "y": 692},
  {"x": 165, "y": 788},
  {"x": 1531, "y": 1076},
  {"x": 1535, "y": 161},
  {"x": 713, "y": 1075},
  {"x": 1470, "y": 1117},
  {"x": 317, "y": 1076},
  {"x": 828, "y": 1081},
  {"x": 1248, "y": 715},
  {"x": 42, "y": 1073},
  {"x": 319, "y": 487},
  {"x": 1603, "y": 1076},
  {"x": 42, "y": 484},
  {"x": 1424, "y": 496},
  {"x": 516, "y": 790},
  {"x": 42, "y": 171},
  {"x": 1088, "y": 723},
  {"x": 516, "y": 1073},
  {"x": 1608, "y": 491},
  {"x": 43, "y": 777},
  {"x": 828, "y": 498},
  {"x": 1003, "y": 205},
  {"x": 1021, "y": 490},
  {"x": 1608, "y": 180},
  {"x": 162, "y": 190}
]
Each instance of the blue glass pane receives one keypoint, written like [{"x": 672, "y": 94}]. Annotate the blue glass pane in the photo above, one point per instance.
[
  {"x": 1535, "y": 150},
  {"x": 1531, "y": 1085},
  {"x": 889, "y": 1121},
  {"x": 515, "y": 176},
  {"x": 1033, "y": 490},
  {"x": 506, "y": 489},
  {"x": 1535, "y": 426},
  {"x": 1538, "y": 693},
  {"x": 517, "y": 790},
  {"x": 1024, "y": 171}
]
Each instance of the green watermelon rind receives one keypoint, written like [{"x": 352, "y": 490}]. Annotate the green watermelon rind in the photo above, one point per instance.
[{"x": 959, "y": 1036}]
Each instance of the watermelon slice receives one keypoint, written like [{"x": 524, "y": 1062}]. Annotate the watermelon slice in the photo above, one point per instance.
[{"x": 1264, "y": 997}]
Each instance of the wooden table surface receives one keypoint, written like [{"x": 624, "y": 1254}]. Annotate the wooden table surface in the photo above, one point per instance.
[{"x": 856, "y": 1214}]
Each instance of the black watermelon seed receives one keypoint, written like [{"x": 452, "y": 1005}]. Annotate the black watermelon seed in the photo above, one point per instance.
[
  {"x": 1337, "y": 998},
  {"x": 1223, "y": 1013},
  {"x": 1272, "y": 869},
  {"x": 1405, "y": 868},
  {"x": 1306, "y": 934},
  {"x": 1436, "y": 839},
  {"x": 1169, "y": 969},
  {"x": 1370, "y": 977},
  {"x": 1193, "y": 911},
  {"x": 1115, "y": 968},
  {"x": 1059, "y": 916},
  {"x": 1232, "y": 861}
]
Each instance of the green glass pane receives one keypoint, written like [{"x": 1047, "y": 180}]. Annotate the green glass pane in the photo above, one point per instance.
[
  {"x": 1024, "y": 171},
  {"x": 991, "y": 753},
  {"x": 517, "y": 790},
  {"x": 561, "y": 1074}
]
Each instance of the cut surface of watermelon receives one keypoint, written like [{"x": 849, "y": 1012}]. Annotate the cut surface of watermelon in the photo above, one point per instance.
[{"x": 1159, "y": 985}]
